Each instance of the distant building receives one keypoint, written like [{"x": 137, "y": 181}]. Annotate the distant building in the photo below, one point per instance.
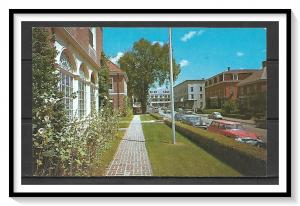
[
  {"x": 159, "y": 97},
  {"x": 117, "y": 86},
  {"x": 78, "y": 61},
  {"x": 223, "y": 86},
  {"x": 252, "y": 91},
  {"x": 190, "y": 94}
]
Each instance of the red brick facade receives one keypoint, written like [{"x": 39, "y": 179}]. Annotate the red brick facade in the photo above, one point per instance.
[
  {"x": 118, "y": 90},
  {"x": 223, "y": 86}
]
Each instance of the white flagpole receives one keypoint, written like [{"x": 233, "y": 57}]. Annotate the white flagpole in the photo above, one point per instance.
[{"x": 171, "y": 85}]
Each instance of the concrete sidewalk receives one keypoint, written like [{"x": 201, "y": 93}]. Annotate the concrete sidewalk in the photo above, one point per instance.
[{"x": 131, "y": 159}]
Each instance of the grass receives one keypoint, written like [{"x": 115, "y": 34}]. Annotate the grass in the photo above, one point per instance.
[
  {"x": 182, "y": 159},
  {"x": 108, "y": 155},
  {"x": 147, "y": 117},
  {"x": 125, "y": 121}
]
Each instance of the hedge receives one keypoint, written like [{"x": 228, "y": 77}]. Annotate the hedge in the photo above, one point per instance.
[
  {"x": 238, "y": 116},
  {"x": 247, "y": 159},
  {"x": 156, "y": 116},
  {"x": 209, "y": 111}
]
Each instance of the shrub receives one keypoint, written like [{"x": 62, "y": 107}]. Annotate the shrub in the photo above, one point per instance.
[
  {"x": 239, "y": 116},
  {"x": 209, "y": 111},
  {"x": 246, "y": 159},
  {"x": 156, "y": 116},
  {"x": 77, "y": 149}
]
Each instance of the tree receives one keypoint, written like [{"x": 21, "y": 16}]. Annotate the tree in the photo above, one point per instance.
[
  {"x": 47, "y": 99},
  {"x": 145, "y": 65},
  {"x": 103, "y": 81},
  {"x": 48, "y": 109}
]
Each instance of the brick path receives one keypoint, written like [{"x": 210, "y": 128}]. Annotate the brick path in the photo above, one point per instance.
[{"x": 131, "y": 159}]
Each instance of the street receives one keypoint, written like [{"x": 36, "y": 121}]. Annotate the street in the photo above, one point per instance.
[{"x": 247, "y": 126}]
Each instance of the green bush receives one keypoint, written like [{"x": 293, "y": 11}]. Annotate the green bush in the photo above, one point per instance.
[
  {"x": 209, "y": 111},
  {"x": 156, "y": 116},
  {"x": 76, "y": 150},
  {"x": 238, "y": 116},
  {"x": 247, "y": 159}
]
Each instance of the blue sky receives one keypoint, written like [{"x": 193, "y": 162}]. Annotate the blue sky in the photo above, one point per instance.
[{"x": 202, "y": 52}]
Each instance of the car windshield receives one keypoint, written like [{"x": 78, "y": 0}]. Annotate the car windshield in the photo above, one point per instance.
[{"x": 234, "y": 126}]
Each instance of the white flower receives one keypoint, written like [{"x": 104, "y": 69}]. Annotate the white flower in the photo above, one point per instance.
[
  {"x": 51, "y": 100},
  {"x": 46, "y": 118},
  {"x": 102, "y": 110},
  {"x": 105, "y": 97},
  {"x": 41, "y": 130},
  {"x": 46, "y": 100}
]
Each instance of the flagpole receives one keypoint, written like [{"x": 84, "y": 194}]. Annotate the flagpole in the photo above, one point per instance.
[{"x": 171, "y": 84}]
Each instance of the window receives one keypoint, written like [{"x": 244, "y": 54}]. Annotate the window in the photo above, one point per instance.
[
  {"x": 200, "y": 89},
  {"x": 111, "y": 84},
  {"x": 192, "y": 96},
  {"x": 201, "y": 96},
  {"x": 66, "y": 85},
  {"x": 92, "y": 37},
  {"x": 81, "y": 95},
  {"x": 235, "y": 77},
  {"x": 93, "y": 99},
  {"x": 81, "y": 98},
  {"x": 192, "y": 89}
]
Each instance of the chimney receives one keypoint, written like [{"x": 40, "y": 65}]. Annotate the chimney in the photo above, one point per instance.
[{"x": 228, "y": 68}]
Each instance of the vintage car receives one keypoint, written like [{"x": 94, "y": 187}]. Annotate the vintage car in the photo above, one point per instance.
[
  {"x": 230, "y": 129},
  {"x": 194, "y": 120},
  {"x": 215, "y": 115}
]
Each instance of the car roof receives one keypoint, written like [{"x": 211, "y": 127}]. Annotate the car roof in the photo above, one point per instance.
[
  {"x": 191, "y": 115},
  {"x": 226, "y": 122}
]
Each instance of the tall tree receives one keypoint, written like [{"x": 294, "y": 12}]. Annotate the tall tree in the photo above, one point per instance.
[
  {"x": 145, "y": 65},
  {"x": 47, "y": 99}
]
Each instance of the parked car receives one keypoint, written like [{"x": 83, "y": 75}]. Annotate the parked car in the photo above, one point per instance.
[
  {"x": 215, "y": 115},
  {"x": 255, "y": 142},
  {"x": 178, "y": 116},
  {"x": 236, "y": 131},
  {"x": 194, "y": 120},
  {"x": 230, "y": 129}
]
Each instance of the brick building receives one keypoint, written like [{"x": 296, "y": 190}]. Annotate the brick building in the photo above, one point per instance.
[
  {"x": 118, "y": 86},
  {"x": 78, "y": 60},
  {"x": 190, "y": 94},
  {"x": 223, "y": 86},
  {"x": 252, "y": 92}
]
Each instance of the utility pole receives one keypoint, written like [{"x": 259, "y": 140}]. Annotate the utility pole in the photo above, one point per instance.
[{"x": 171, "y": 85}]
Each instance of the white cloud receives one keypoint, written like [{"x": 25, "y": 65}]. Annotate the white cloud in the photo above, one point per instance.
[
  {"x": 160, "y": 43},
  {"x": 191, "y": 34},
  {"x": 188, "y": 36},
  {"x": 184, "y": 62},
  {"x": 116, "y": 58},
  {"x": 239, "y": 54},
  {"x": 200, "y": 32}
]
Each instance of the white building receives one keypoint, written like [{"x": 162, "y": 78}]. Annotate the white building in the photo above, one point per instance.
[
  {"x": 159, "y": 97},
  {"x": 190, "y": 94}
]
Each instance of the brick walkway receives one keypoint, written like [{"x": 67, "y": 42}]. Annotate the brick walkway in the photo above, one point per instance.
[{"x": 131, "y": 159}]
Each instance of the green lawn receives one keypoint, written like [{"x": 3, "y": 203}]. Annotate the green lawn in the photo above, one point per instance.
[
  {"x": 183, "y": 159},
  {"x": 146, "y": 117},
  {"x": 125, "y": 121},
  {"x": 108, "y": 155}
]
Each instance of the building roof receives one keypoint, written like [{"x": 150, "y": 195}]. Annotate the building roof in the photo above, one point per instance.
[
  {"x": 114, "y": 69},
  {"x": 191, "y": 81},
  {"x": 256, "y": 76},
  {"x": 235, "y": 71}
]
